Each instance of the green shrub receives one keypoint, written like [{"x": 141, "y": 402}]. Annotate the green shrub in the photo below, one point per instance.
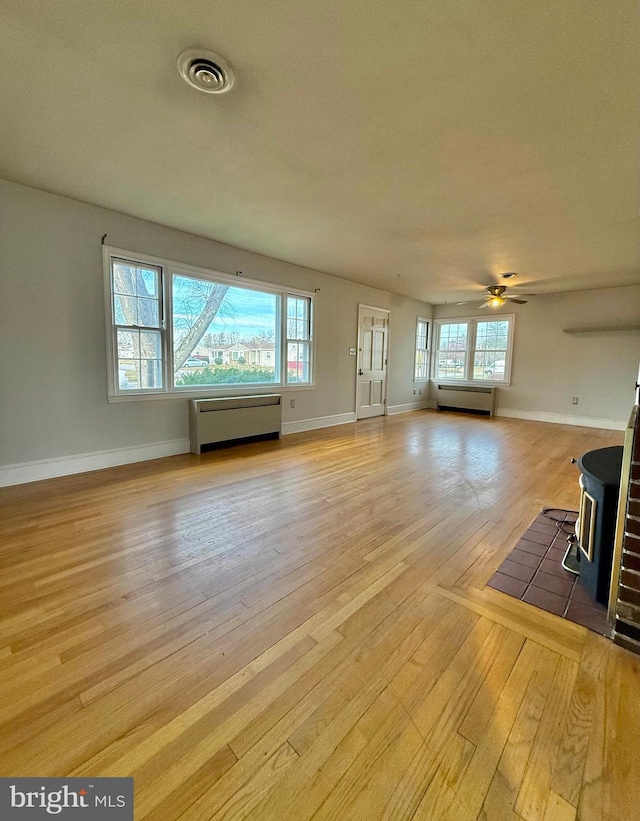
[{"x": 226, "y": 376}]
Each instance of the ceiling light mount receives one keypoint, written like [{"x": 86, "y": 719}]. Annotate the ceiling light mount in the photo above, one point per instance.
[
  {"x": 206, "y": 71},
  {"x": 508, "y": 275}
]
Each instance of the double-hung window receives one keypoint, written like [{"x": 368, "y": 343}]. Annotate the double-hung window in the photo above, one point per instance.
[
  {"x": 421, "y": 370},
  {"x": 138, "y": 328},
  {"x": 474, "y": 350},
  {"x": 176, "y": 329},
  {"x": 298, "y": 339}
]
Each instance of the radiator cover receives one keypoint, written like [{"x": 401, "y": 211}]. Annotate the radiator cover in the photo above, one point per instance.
[
  {"x": 233, "y": 417},
  {"x": 468, "y": 398}
]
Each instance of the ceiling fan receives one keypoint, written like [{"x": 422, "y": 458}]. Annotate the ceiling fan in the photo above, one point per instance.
[{"x": 496, "y": 297}]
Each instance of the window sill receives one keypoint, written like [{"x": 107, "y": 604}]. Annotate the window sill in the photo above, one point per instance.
[
  {"x": 208, "y": 393},
  {"x": 465, "y": 383}
]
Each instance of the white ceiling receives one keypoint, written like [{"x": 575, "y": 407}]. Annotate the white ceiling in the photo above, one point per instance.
[{"x": 421, "y": 146}]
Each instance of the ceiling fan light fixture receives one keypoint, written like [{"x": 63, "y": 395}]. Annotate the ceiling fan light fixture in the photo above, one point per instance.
[{"x": 496, "y": 302}]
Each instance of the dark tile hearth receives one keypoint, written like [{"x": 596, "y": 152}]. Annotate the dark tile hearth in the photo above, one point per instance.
[
  {"x": 551, "y": 602},
  {"x": 533, "y": 573}
]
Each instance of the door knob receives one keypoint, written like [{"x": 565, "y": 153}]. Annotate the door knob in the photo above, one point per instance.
[{"x": 360, "y": 372}]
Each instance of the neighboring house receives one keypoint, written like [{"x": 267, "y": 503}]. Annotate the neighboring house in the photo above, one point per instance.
[
  {"x": 201, "y": 352},
  {"x": 261, "y": 354}
]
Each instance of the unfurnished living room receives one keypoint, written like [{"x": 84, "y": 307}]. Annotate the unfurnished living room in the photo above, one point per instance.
[{"x": 319, "y": 450}]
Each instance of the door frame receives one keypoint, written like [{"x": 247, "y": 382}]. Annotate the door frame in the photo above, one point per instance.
[{"x": 387, "y": 311}]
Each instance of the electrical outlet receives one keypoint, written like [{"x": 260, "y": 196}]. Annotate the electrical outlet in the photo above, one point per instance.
[
  {"x": 414, "y": 391},
  {"x": 292, "y": 404},
  {"x": 574, "y": 401}
]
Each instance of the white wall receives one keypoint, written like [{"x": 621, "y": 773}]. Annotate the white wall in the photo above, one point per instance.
[
  {"x": 53, "y": 373},
  {"x": 550, "y": 367}
]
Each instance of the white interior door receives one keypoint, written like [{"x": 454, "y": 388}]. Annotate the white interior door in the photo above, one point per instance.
[{"x": 373, "y": 325}]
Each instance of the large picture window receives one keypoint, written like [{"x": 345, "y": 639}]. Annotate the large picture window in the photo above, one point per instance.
[
  {"x": 222, "y": 334},
  {"x": 474, "y": 350},
  {"x": 175, "y": 330}
]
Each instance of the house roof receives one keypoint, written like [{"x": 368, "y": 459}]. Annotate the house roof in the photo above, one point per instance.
[
  {"x": 249, "y": 346},
  {"x": 419, "y": 147}
]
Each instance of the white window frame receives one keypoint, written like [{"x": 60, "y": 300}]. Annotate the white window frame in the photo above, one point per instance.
[
  {"x": 113, "y": 327},
  {"x": 470, "y": 351},
  {"x": 167, "y": 269},
  {"x": 427, "y": 351}
]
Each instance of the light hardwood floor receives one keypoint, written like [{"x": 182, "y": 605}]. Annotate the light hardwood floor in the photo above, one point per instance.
[{"x": 300, "y": 630}]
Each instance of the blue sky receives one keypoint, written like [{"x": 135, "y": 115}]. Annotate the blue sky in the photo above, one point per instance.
[{"x": 246, "y": 312}]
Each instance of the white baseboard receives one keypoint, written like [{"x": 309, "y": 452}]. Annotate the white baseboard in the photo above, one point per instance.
[
  {"x": 83, "y": 462},
  {"x": 318, "y": 422},
  {"x": 564, "y": 419},
  {"x": 409, "y": 406}
]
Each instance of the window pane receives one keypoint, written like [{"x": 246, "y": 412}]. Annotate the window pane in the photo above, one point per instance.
[
  {"x": 129, "y": 374},
  {"x": 298, "y": 313},
  {"x": 147, "y": 282},
  {"x": 298, "y": 362},
  {"x": 125, "y": 310},
  {"x": 421, "y": 365},
  {"x": 491, "y": 350},
  {"x": 421, "y": 335},
  {"x": 298, "y": 307},
  {"x": 128, "y": 344},
  {"x": 490, "y": 368},
  {"x": 148, "y": 313},
  {"x": 131, "y": 310},
  {"x": 151, "y": 373},
  {"x": 452, "y": 351},
  {"x": 124, "y": 278},
  {"x": 150, "y": 345},
  {"x": 452, "y": 368},
  {"x": 223, "y": 334},
  {"x": 130, "y": 279}
]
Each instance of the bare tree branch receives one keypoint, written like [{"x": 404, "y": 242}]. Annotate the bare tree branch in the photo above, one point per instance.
[{"x": 199, "y": 320}]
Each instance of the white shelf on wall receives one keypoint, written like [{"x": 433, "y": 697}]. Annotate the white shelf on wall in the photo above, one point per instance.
[{"x": 602, "y": 329}]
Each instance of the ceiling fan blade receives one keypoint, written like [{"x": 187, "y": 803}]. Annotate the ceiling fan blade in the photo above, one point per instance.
[
  {"x": 517, "y": 293},
  {"x": 518, "y": 301},
  {"x": 483, "y": 305},
  {"x": 466, "y": 302}
]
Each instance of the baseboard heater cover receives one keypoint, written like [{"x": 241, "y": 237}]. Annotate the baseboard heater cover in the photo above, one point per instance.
[
  {"x": 233, "y": 417},
  {"x": 466, "y": 398}
]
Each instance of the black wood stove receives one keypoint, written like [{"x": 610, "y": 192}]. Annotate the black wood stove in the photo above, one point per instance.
[{"x": 596, "y": 526}]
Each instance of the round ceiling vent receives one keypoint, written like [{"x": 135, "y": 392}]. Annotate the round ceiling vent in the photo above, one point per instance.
[{"x": 206, "y": 71}]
